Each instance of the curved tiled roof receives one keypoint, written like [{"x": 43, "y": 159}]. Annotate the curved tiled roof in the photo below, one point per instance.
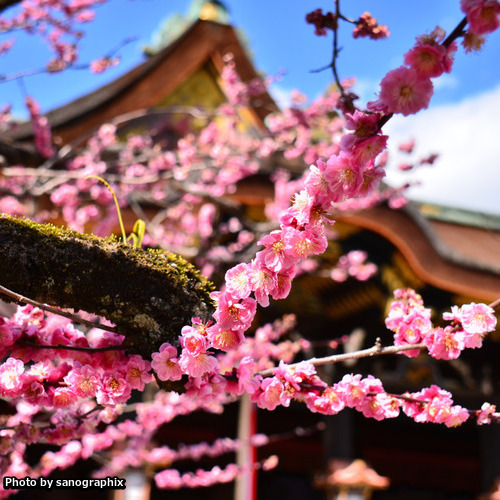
[
  {"x": 145, "y": 85},
  {"x": 461, "y": 259}
]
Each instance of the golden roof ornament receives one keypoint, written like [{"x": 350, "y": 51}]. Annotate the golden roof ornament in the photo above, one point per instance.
[
  {"x": 174, "y": 26},
  {"x": 209, "y": 10}
]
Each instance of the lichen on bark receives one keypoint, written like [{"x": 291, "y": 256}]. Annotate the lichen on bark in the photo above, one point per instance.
[{"x": 148, "y": 294}]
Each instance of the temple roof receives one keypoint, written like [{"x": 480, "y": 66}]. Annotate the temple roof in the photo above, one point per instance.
[
  {"x": 176, "y": 24},
  {"x": 203, "y": 44},
  {"x": 461, "y": 259}
]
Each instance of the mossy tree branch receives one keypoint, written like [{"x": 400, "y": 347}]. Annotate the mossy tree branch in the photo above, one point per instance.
[{"x": 148, "y": 294}]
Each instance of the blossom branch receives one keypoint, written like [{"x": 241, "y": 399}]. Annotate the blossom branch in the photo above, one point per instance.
[
  {"x": 376, "y": 350},
  {"x": 74, "y": 347},
  {"x": 456, "y": 33},
  {"x": 77, "y": 319}
]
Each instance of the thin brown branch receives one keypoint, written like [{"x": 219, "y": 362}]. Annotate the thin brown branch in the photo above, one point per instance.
[
  {"x": 74, "y": 347},
  {"x": 77, "y": 319},
  {"x": 495, "y": 303},
  {"x": 456, "y": 33},
  {"x": 336, "y": 50},
  {"x": 376, "y": 350}
]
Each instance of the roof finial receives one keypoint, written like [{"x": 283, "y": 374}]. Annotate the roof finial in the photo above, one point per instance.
[
  {"x": 209, "y": 10},
  {"x": 177, "y": 24}
]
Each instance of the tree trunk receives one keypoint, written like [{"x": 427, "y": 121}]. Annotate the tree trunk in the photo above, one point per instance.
[{"x": 148, "y": 294}]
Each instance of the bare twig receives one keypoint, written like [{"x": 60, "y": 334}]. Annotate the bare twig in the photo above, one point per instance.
[
  {"x": 74, "y": 347},
  {"x": 77, "y": 319},
  {"x": 376, "y": 350},
  {"x": 495, "y": 303}
]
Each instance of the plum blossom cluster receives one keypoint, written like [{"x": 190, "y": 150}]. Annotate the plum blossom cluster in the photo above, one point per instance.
[
  {"x": 266, "y": 347},
  {"x": 210, "y": 393},
  {"x": 196, "y": 451},
  {"x": 302, "y": 234},
  {"x": 367, "y": 395},
  {"x": 238, "y": 92},
  {"x": 349, "y": 174},
  {"x": 409, "y": 88},
  {"x": 353, "y": 264},
  {"x": 205, "y": 166},
  {"x": 364, "y": 394},
  {"x": 230, "y": 372},
  {"x": 320, "y": 21},
  {"x": 57, "y": 22},
  {"x": 41, "y": 129},
  {"x": 367, "y": 26},
  {"x": 172, "y": 479},
  {"x": 53, "y": 365},
  {"x": 411, "y": 324},
  {"x": 73, "y": 425},
  {"x": 270, "y": 273}
]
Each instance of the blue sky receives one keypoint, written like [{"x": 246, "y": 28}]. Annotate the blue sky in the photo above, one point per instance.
[{"x": 281, "y": 40}]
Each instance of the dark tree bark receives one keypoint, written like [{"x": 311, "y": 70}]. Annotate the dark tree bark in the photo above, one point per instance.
[
  {"x": 148, "y": 294},
  {"x": 18, "y": 154},
  {"x": 5, "y": 4}
]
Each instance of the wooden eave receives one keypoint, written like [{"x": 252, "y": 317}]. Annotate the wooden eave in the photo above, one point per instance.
[
  {"x": 473, "y": 273},
  {"x": 147, "y": 84}
]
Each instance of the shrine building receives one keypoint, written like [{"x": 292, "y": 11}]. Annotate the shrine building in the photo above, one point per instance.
[{"x": 447, "y": 255}]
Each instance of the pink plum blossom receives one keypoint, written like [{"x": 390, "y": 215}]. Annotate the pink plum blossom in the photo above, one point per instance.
[
  {"x": 404, "y": 91},
  {"x": 137, "y": 372},
  {"x": 444, "y": 343},
  {"x": 478, "y": 318},
  {"x": 483, "y": 416},
  {"x": 232, "y": 313},
  {"x": 196, "y": 366},
  {"x": 166, "y": 364},
  {"x": 10, "y": 376},
  {"x": 303, "y": 244},
  {"x": 269, "y": 396},
  {"x": 224, "y": 339},
  {"x": 84, "y": 381},
  {"x": 275, "y": 256},
  {"x": 483, "y": 16},
  {"x": 344, "y": 177},
  {"x": 427, "y": 60},
  {"x": 113, "y": 390},
  {"x": 238, "y": 281}
]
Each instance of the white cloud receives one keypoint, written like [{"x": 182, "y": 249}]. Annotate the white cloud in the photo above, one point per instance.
[
  {"x": 466, "y": 136},
  {"x": 281, "y": 95},
  {"x": 366, "y": 89},
  {"x": 445, "y": 81}
]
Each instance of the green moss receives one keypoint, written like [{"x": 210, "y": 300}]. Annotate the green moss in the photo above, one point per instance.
[{"x": 148, "y": 294}]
